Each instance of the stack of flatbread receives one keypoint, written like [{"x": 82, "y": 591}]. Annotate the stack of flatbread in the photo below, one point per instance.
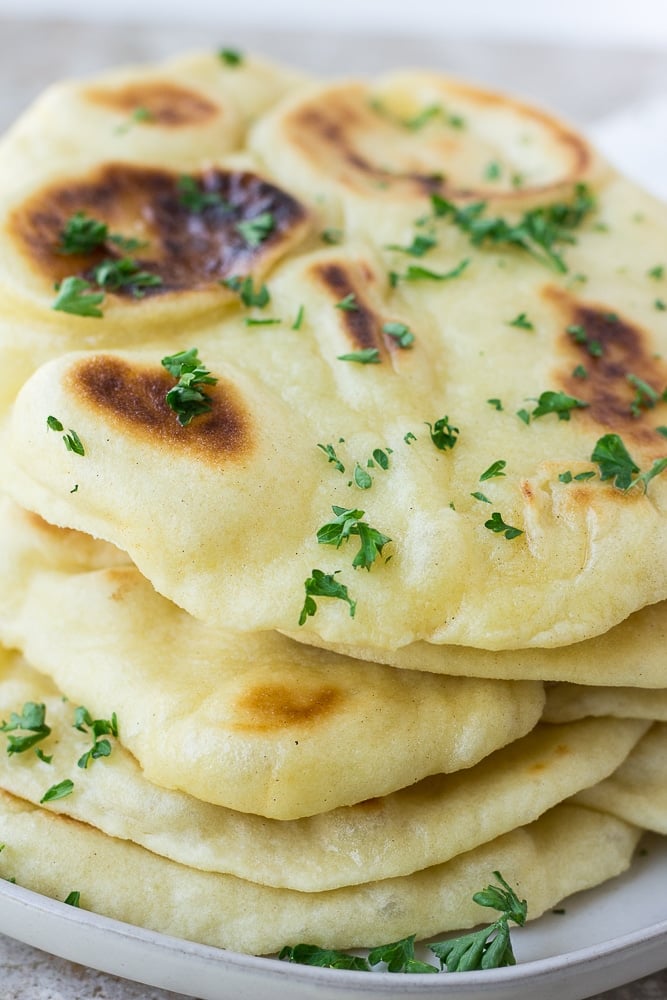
[{"x": 334, "y": 525}]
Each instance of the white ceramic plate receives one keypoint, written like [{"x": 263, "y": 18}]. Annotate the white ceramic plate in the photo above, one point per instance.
[{"x": 606, "y": 937}]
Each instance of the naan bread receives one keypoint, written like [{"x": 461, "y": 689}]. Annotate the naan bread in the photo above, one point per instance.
[
  {"x": 637, "y": 791},
  {"x": 419, "y": 826},
  {"x": 55, "y": 855},
  {"x": 566, "y": 702},
  {"x": 246, "y": 488},
  {"x": 252, "y": 722}
]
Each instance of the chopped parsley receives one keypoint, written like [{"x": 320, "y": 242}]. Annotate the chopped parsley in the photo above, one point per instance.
[
  {"x": 330, "y": 452},
  {"x": 540, "y": 231},
  {"x": 71, "y": 438},
  {"x": 246, "y": 291},
  {"x": 348, "y": 523},
  {"x": 493, "y": 171},
  {"x": 399, "y": 332},
  {"x": 266, "y": 321},
  {"x": 98, "y": 728},
  {"x": 614, "y": 462},
  {"x": 369, "y": 356},
  {"x": 645, "y": 395},
  {"x": 567, "y": 477},
  {"x": 559, "y": 403},
  {"x": 30, "y": 725},
  {"x": 186, "y": 399},
  {"x": 494, "y": 470},
  {"x": 139, "y": 116},
  {"x": 296, "y": 325},
  {"x": 522, "y": 322},
  {"x": 255, "y": 231},
  {"x": 125, "y": 273},
  {"x": 580, "y": 336},
  {"x": 420, "y": 245},
  {"x": 480, "y": 496},
  {"x": 75, "y": 297},
  {"x": 361, "y": 478},
  {"x": 380, "y": 458},
  {"x": 443, "y": 434},
  {"x": 496, "y": 523},
  {"x": 195, "y": 198},
  {"x": 660, "y": 305},
  {"x": 348, "y": 304},
  {"x": 73, "y": 898},
  {"x": 579, "y": 372},
  {"x": 487, "y": 948},
  {"x": 495, "y": 403},
  {"x": 331, "y": 236},
  {"x": 409, "y": 437},
  {"x": 82, "y": 234},
  {"x": 416, "y": 273},
  {"x": 657, "y": 272},
  {"x": 321, "y": 584},
  {"x": 59, "y": 791},
  {"x": 231, "y": 57}
]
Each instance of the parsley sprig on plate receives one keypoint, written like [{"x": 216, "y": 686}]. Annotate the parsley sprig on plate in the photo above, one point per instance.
[{"x": 488, "y": 948}]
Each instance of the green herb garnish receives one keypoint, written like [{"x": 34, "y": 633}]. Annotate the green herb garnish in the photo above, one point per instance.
[
  {"x": 399, "y": 332},
  {"x": 330, "y": 452},
  {"x": 75, "y": 297},
  {"x": 443, "y": 434},
  {"x": 98, "y": 728},
  {"x": 369, "y": 356},
  {"x": 580, "y": 336},
  {"x": 416, "y": 273},
  {"x": 73, "y": 898},
  {"x": 522, "y": 322},
  {"x": 322, "y": 584},
  {"x": 348, "y": 304},
  {"x": 83, "y": 234},
  {"x": 245, "y": 288},
  {"x": 195, "y": 198},
  {"x": 480, "y": 496},
  {"x": 255, "y": 231},
  {"x": 59, "y": 791},
  {"x": 347, "y": 523},
  {"x": 125, "y": 273},
  {"x": 331, "y": 236},
  {"x": 231, "y": 57},
  {"x": 645, "y": 395},
  {"x": 488, "y": 948},
  {"x": 495, "y": 469},
  {"x": 496, "y": 523},
  {"x": 71, "y": 438},
  {"x": 31, "y": 725},
  {"x": 539, "y": 231},
  {"x": 559, "y": 403},
  {"x": 420, "y": 245},
  {"x": 579, "y": 372},
  {"x": 657, "y": 272},
  {"x": 361, "y": 478},
  {"x": 137, "y": 117},
  {"x": 186, "y": 399},
  {"x": 495, "y": 403},
  {"x": 267, "y": 321}
]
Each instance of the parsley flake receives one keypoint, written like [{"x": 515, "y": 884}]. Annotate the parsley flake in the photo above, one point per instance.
[
  {"x": 255, "y": 231},
  {"x": 321, "y": 584},
  {"x": 231, "y": 57},
  {"x": 495, "y": 403},
  {"x": 74, "y": 296},
  {"x": 539, "y": 232},
  {"x": 71, "y": 438},
  {"x": 330, "y": 452},
  {"x": 186, "y": 399},
  {"x": 416, "y": 273},
  {"x": 362, "y": 478},
  {"x": 73, "y": 898},
  {"x": 59, "y": 791},
  {"x": 559, "y": 403},
  {"x": 369, "y": 356},
  {"x": 348, "y": 304},
  {"x": 496, "y": 523},
  {"x": 660, "y": 305},
  {"x": 480, "y": 496},
  {"x": 494, "y": 470},
  {"x": 657, "y": 272},
  {"x": 82, "y": 234},
  {"x": 522, "y": 322},
  {"x": 443, "y": 434},
  {"x": 579, "y": 372},
  {"x": 348, "y": 523},
  {"x": 84, "y": 722},
  {"x": 246, "y": 291},
  {"x": 125, "y": 273},
  {"x": 399, "y": 332},
  {"x": 31, "y": 725},
  {"x": 193, "y": 196},
  {"x": 579, "y": 335},
  {"x": 331, "y": 236},
  {"x": 420, "y": 245}
]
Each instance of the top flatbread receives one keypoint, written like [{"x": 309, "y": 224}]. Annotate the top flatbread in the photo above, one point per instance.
[{"x": 222, "y": 515}]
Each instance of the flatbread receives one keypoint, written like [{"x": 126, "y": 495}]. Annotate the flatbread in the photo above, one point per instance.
[
  {"x": 637, "y": 791},
  {"x": 55, "y": 856},
  {"x": 256, "y": 723},
  {"x": 246, "y": 488},
  {"x": 627, "y": 657},
  {"x": 419, "y": 826},
  {"x": 566, "y": 702}
]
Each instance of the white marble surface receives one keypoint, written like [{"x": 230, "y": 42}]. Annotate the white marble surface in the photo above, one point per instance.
[{"x": 584, "y": 83}]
